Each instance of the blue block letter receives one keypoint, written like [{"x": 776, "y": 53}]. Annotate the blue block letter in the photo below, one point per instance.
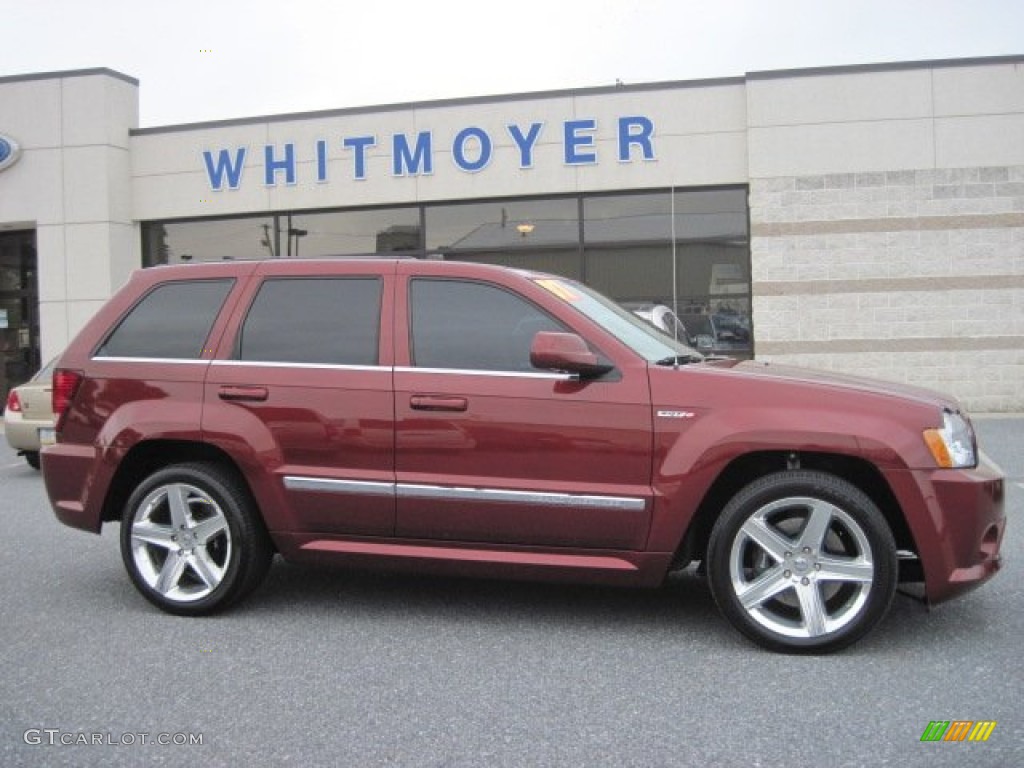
[
  {"x": 574, "y": 141},
  {"x": 635, "y": 129},
  {"x": 272, "y": 166},
  {"x": 321, "y": 160},
  {"x": 459, "y": 149},
  {"x": 359, "y": 145},
  {"x": 525, "y": 143},
  {"x": 405, "y": 159},
  {"x": 224, "y": 167}
]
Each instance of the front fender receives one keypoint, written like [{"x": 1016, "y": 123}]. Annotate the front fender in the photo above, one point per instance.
[{"x": 690, "y": 454}]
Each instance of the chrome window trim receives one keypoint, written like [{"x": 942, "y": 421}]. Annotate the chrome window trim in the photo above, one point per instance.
[
  {"x": 312, "y": 366},
  {"x": 338, "y": 367},
  {"x": 330, "y": 485},
  {"x": 169, "y": 360},
  {"x": 457, "y": 493},
  {"x": 504, "y": 374}
]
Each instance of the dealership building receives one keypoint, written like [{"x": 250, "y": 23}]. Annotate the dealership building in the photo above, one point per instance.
[{"x": 865, "y": 219}]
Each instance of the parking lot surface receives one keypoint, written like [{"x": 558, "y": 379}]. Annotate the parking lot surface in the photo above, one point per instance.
[{"x": 329, "y": 667}]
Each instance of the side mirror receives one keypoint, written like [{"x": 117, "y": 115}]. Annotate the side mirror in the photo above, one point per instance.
[
  {"x": 705, "y": 341},
  {"x": 565, "y": 352}
]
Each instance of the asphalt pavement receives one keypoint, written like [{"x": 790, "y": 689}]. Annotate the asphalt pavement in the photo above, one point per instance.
[{"x": 337, "y": 668}]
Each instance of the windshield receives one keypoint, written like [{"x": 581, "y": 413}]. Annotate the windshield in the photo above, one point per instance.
[{"x": 643, "y": 338}]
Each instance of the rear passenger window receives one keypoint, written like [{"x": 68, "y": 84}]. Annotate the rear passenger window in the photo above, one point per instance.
[
  {"x": 172, "y": 321},
  {"x": 325, "y": 320},
  {"x": 473, "y": 326}
]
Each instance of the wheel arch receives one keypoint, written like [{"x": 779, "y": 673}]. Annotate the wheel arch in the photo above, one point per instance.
[
  {"x": 149, "y": 456},
  {"x": 744, "y": 469}
]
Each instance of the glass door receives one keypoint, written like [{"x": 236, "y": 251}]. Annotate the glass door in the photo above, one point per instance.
[{"x": 19, "y": 309}]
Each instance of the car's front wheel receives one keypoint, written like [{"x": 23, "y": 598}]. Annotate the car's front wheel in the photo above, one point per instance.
[
  {"x": 32, "y": 457},
  {"x": 803, "y": 562},
  {"x": 192, "y": 541}
]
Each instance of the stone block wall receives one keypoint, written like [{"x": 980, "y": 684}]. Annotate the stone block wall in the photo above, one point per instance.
[{"x": 913, "y": 275}]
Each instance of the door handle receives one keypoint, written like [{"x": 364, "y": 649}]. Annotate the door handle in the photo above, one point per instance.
[
  {"x": 438, "y": 403},
  {"x": 235, "y": 394}
]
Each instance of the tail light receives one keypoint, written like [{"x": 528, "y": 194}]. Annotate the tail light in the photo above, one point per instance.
[
  {"x": 13, "y": 403},
  {"x": 65, "y": 385}
]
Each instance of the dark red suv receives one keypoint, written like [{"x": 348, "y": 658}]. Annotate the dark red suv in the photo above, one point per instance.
[{"x": 475, "y": 420}]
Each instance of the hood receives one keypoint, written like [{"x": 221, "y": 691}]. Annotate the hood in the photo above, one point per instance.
[{"x": 774, "y": 372}]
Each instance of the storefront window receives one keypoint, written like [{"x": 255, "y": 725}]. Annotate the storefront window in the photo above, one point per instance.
[
  {"x": 346, "y": 233},
  {"x": 286, "y": 235},
  {"x": 183, "y": 242},
  {"x": 541, "y": 234},
  {"x": 627, "y": 246}
]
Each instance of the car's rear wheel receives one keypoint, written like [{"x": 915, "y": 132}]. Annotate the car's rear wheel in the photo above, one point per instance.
[
  {"x": 32, "y": 457},
  {"x": 192, "y": 541},
  {"x": 802, "y": 562}
]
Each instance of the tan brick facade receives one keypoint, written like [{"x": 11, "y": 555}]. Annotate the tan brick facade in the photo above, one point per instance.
[{"x": 916, "y": 276}]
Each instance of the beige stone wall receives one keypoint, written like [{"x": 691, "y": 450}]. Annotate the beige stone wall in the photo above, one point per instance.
[
  {"x": 72, "y": 185},
  {"x": 913, "y": 275}
]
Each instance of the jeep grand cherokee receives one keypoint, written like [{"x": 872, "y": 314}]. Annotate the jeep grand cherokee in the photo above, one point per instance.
[{"x": 476, "y": 420}]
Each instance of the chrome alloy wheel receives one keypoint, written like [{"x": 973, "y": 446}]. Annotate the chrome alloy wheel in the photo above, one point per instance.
[
  {"x": 801, "y": 567},
  {"x": 180, "y": 542}
]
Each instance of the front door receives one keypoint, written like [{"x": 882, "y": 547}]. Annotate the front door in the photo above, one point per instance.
[{"x": 491, "y": 450}]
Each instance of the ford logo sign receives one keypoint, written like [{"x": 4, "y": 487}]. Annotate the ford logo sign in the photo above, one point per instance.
[{"x": 9, "y": 152}]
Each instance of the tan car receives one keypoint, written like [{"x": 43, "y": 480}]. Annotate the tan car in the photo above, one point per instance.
[{"x": 28, "y": 415}]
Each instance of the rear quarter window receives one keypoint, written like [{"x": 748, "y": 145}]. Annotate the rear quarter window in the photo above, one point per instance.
[{"x": 172, "y": 321}]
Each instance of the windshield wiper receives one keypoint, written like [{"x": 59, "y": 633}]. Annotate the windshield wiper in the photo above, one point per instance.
[{"x": 683, "y": 359}]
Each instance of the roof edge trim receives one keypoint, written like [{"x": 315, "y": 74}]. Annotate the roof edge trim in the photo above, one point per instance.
[{"x": 69, "y": 73}]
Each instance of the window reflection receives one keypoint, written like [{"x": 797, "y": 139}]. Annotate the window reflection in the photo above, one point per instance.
[
  {"x": 183, "y": 242},
  {"x": 623, "y": 247},
  {"x": 291, "y": 235},
  {"x": 347, "y": 233},
  {"x": 629, "y": 242},
  {"x": 541, "y": 235}
]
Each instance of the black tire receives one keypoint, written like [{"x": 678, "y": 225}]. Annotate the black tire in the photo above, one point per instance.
[
  {"x": 192, "y": 540},
  {"x": 32, "y": 457},
  {"x": 802, "y": 587}
]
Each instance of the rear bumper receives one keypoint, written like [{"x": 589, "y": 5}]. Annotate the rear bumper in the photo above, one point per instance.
[
  {"x": 69, "y": 474},
  {"x": 957, "y": 520},
  {"x": 23, "y": 434}
]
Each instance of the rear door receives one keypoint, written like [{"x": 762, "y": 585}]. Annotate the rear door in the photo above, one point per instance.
[
  {"x": 307, "y": 393},
  {"x": 490, "y": 449}
]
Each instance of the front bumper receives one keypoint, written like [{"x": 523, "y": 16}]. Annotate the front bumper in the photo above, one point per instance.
[{"x": 957, "y": 520}]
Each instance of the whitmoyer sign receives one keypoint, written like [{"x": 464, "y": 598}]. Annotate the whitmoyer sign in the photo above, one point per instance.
[{"x": 471, "y": 150}]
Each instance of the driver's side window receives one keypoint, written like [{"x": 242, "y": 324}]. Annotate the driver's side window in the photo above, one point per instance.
[{"x": 467, "y": 325}]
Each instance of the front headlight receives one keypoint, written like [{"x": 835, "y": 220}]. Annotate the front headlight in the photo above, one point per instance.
[{"x": 952, "y": 446}]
